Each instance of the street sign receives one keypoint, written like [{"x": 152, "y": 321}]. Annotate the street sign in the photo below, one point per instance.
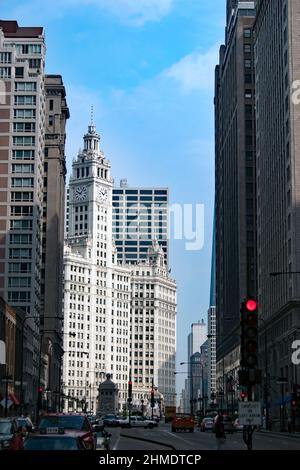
[
  {"x": 282, "y": 380},
  {"x": 2, "y": 353},
  {"x": 9, "y": 403},
  {"x": 250, "y": 413}
]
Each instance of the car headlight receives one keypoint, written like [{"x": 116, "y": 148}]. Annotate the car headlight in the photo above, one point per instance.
[{"x": 5, "y": 444}]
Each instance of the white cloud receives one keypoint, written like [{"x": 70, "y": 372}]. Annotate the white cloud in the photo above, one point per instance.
[
  {"x": 133, "y": 12},
  {"x": 195, "y": 72},
  {"x": 136, "y": 12}
]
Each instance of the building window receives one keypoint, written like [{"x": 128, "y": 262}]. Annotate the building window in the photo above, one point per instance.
[
  {"x": 5, "y": 72},
  {"x": 19, "y": 72},
  {"x": 25, "y": 100},
  {"x": 24, "y": 113},
  {"x": 25, "y": 86},
  {"x": 24, "y": 141},
  {"x": 23, "y": 154},
  {"x": 24, "y": 127},
  {"x": 5, "y": 57}
]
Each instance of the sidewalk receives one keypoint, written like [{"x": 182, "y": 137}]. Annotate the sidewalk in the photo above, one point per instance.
[{"x": 292, "y": 435}]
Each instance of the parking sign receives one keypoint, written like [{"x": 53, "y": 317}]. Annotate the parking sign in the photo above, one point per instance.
[{"x": 250, "y": 413}]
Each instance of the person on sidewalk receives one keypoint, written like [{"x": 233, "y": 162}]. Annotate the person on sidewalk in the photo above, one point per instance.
[{"x": 220, "y": 431}]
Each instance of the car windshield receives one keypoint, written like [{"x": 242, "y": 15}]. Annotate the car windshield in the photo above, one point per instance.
[
  {"x": 5, "y": 427},
  {"x": 64, "y": 422},
  {"x": 51, "y": 443}
]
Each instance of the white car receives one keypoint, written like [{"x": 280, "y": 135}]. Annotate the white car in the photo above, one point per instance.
[
  {"x": 137, "y": 421},
  {"x": 238, "y": 426}
]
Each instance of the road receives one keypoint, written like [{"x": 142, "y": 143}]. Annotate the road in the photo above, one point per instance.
[{"x": 125, "y": 439}]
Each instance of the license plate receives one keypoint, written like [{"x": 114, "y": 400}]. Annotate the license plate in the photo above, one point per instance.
[{"x": 52, "y": 430}]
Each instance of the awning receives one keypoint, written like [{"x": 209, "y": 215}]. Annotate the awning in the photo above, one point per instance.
[{"x": 14, "y": 399}]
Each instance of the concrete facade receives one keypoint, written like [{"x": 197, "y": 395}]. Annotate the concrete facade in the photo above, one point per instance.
[
  {"x": 235, "y": 192},
  {"x": 278, "y": 197},
  {"x": 57, "y": 114},
  {"x": 22, "y": 116}
]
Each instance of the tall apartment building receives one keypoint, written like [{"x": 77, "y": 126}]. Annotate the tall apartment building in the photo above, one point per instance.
[
  {"x": 278, "y": 191},
  {"x": 57, "y": 114},
  {"x": 140, "y": 215},
  {"x": 153, "y": 327},
  {"x": 22, "y": 127},
  {"x": 96, "y": 289},
  {"x": 196, "y": 339},
  {"x": 235, "y": 191},
  {"x": 211, "y": 329}
]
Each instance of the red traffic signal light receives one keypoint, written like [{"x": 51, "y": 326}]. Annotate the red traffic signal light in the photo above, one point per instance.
[
  {"x": 251, "y": 305},
  {"x": 249, "y": 333},
  {"x": 130, "y": 388},
  {"x": 40, "y": 389}
]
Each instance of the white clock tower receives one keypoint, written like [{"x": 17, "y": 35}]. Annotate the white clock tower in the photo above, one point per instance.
[
  {"x": 96, "y": 290},
  {"x": 90, "y": 190}
]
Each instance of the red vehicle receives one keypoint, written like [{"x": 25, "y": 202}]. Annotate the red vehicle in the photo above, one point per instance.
[
  {"x": 183, "y": 422},
  {"x": 73, "y": 423}
]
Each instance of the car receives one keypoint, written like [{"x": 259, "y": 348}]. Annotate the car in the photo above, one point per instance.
[
  {"x": 138, "y": 422},
  {"x": 183, "y": 422},
  {"x": 58, "y": 440},
  {"x": 228, "y": 424},
  {"x": 237, "y": 426},
  {"x": 8, "y": 427},
  {"x": 92, "y": 419},
  {"x": 207, "y": 424},
  {"x": 75, "y": 424},
  {"x": 110, "y": 420},
  {"x": 102, "y": 438}
]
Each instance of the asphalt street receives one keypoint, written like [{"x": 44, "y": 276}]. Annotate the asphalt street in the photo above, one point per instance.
[{"x": 163, "y": 439}]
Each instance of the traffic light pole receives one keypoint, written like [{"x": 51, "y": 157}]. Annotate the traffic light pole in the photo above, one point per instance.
[{"x": 152, "y": 398}]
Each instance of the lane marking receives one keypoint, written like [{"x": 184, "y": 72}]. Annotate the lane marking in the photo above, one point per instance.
[
  {"x": 180, "y": 438},
  {"x": 116, "y": 443}
]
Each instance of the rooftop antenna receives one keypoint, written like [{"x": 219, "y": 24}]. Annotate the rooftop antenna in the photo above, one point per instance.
[{"x": 92, "y": 115}]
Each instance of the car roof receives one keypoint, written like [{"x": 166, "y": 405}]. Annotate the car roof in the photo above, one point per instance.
[{"x": 46, "y": 436}]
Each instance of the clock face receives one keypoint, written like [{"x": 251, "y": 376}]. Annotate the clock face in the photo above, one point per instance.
[
  {"x": 80, "y": 193},
  {"x": 103, "y": 194}
]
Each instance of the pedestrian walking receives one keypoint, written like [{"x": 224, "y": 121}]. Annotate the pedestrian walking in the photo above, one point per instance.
[
  {"x": 220, "y": 431},
  {"x": 17, "y": 441}
]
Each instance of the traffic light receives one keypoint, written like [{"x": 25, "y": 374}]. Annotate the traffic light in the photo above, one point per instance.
[
  {"x": 40, "y": 397},
  {"x": 249, "y": 333},
  {"x": 129, "y": 391},
  {"x": 294, "y": 401},
  {"x": 152, "y": 398}
]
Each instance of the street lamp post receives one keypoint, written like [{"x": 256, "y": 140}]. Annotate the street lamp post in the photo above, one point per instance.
[
  {"x": 192, "y": 383},
  {"x": 142, "y": 407},
  {"x": 27, "y": 317},
  {"x": 40, "y": 364}
]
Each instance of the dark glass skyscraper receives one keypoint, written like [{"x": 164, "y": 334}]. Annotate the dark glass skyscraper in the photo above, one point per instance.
[{"x": 140, "y": 215}]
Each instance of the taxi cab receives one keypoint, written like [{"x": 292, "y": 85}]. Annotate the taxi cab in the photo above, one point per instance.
[
  {"x": 75, "y": 424},
  {"x": 53, "y": 439}
]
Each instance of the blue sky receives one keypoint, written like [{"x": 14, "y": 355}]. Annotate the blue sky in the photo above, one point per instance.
[{"x": 147, "y": 66}]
